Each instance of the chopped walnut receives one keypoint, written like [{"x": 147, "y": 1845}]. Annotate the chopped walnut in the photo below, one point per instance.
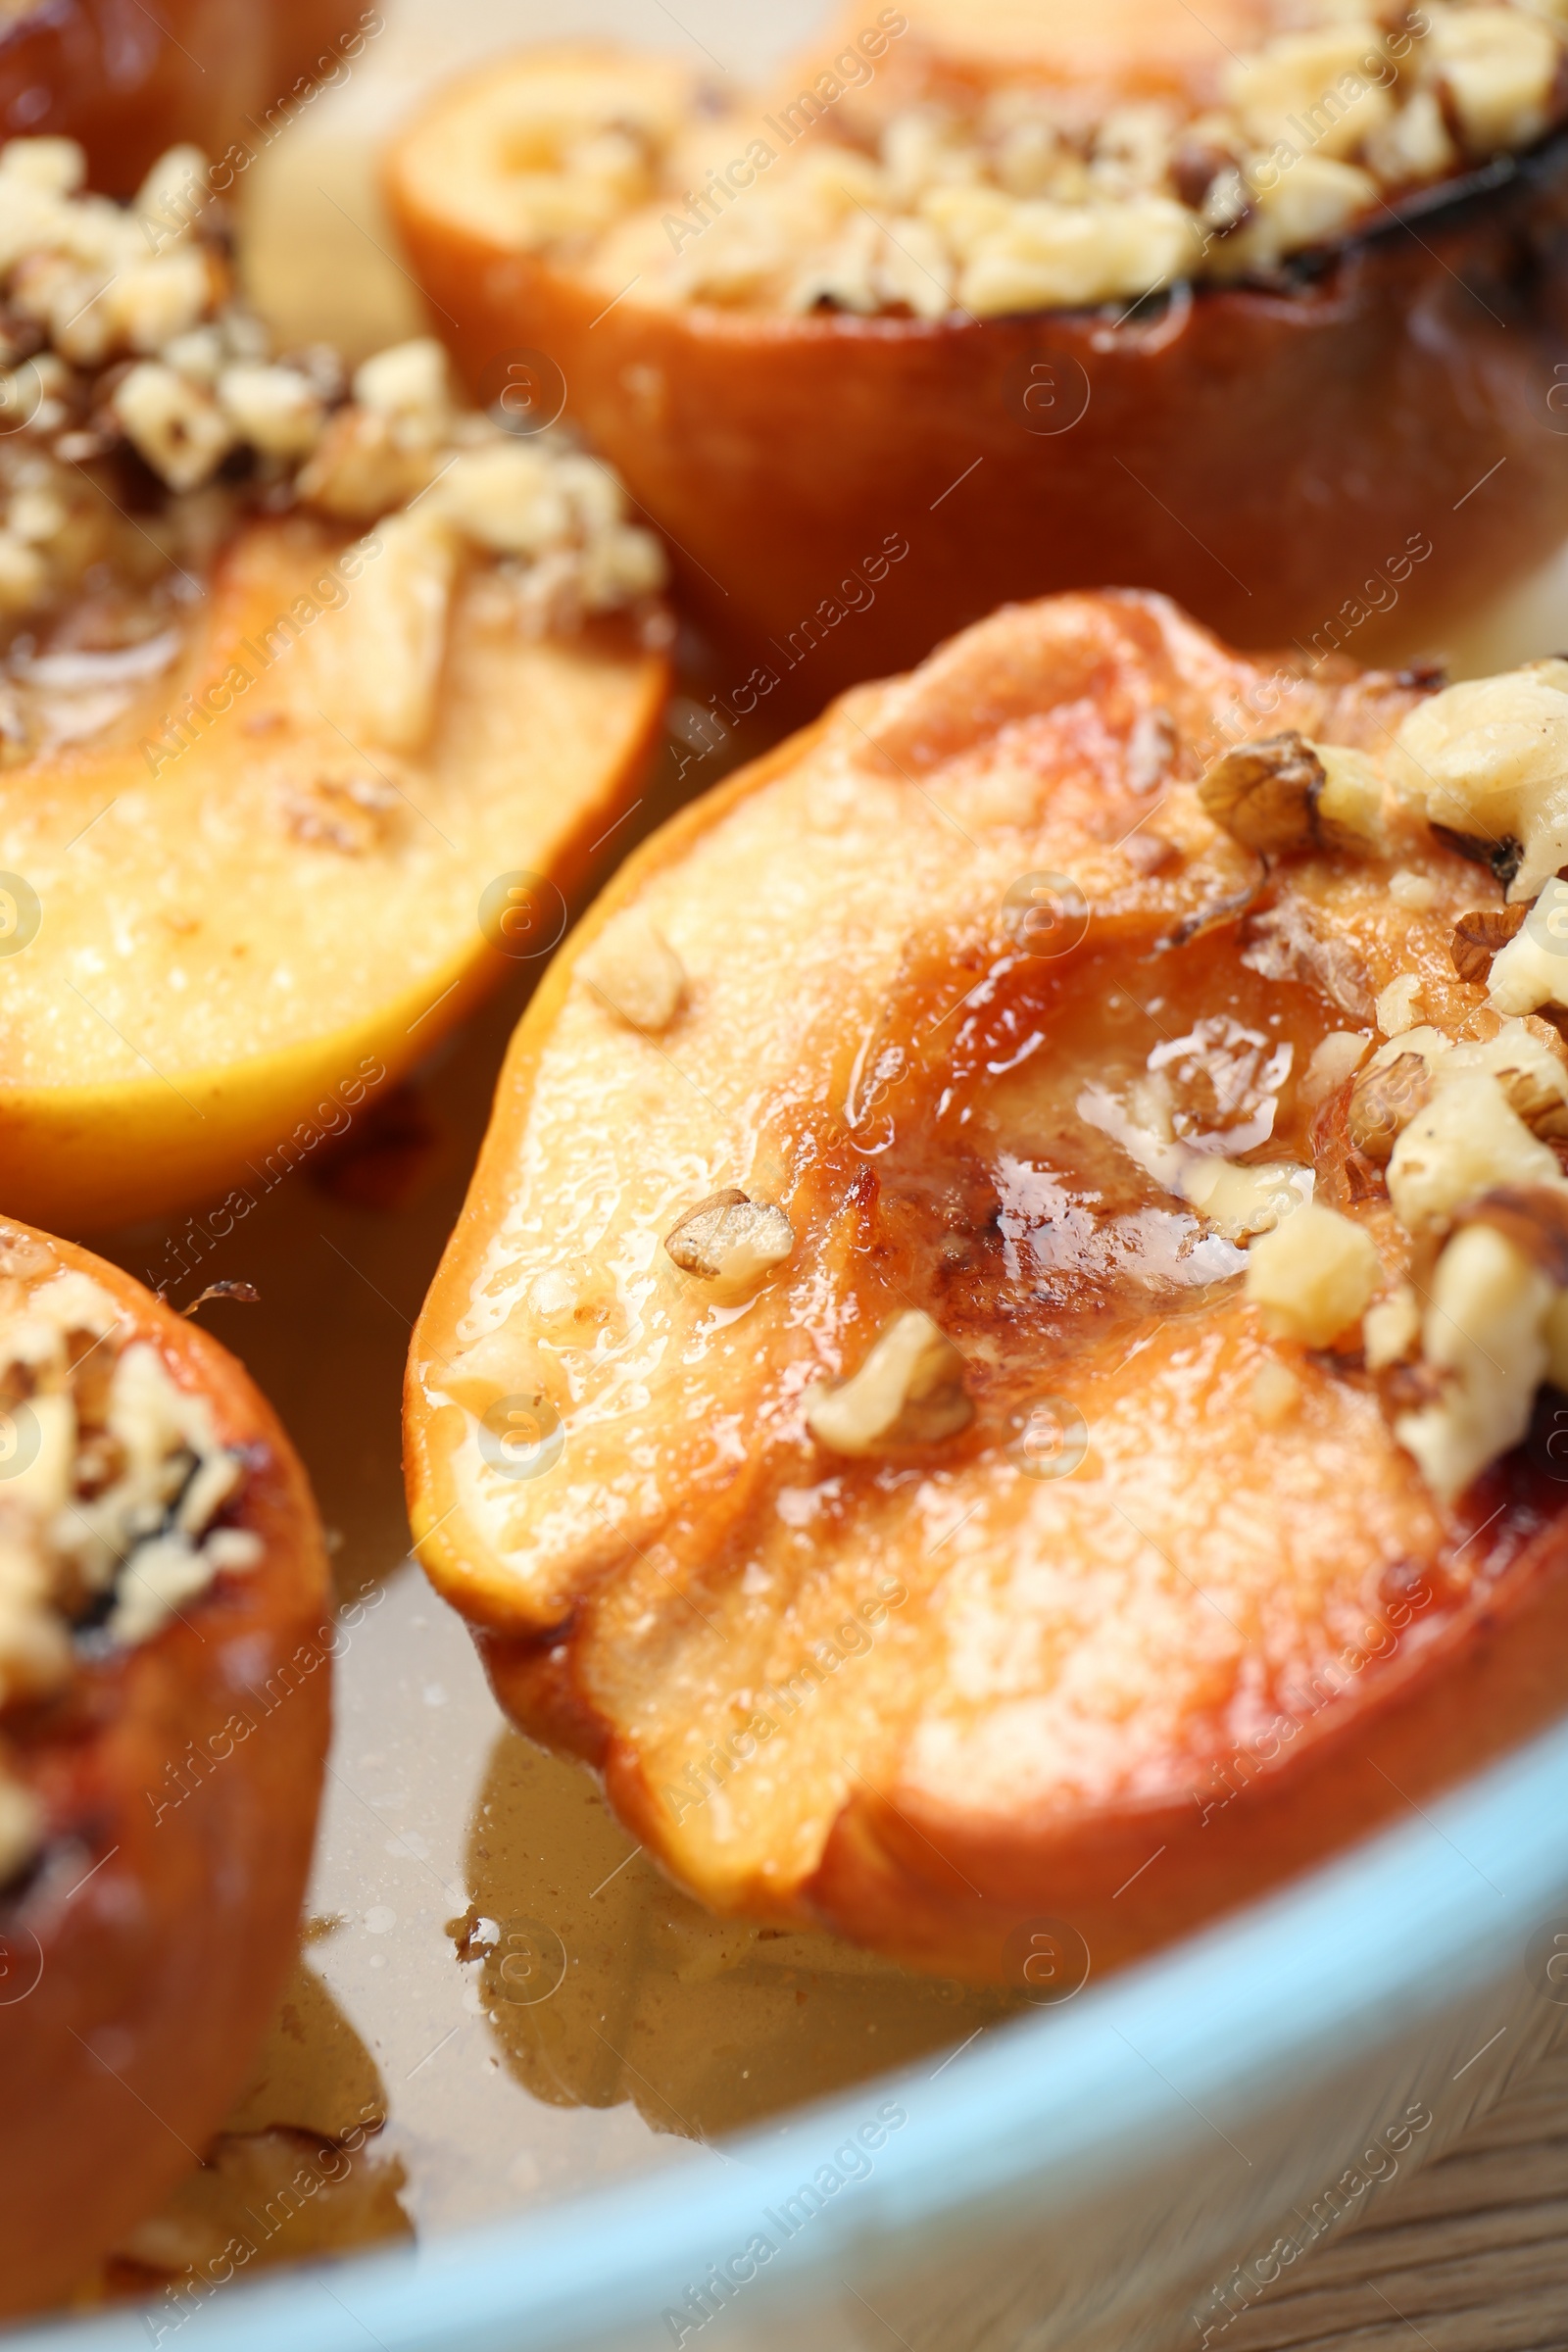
[
  {"x": 1484, "y": 1335},
  {"x": 1285, "y": 797},
  {"x": 1487, "y": 762},
  {"x": 908, "y": 1390},
  {"x": 347, "y": 813},
  {"x": 125, "y": 347},
  {"x": 1275, "y": 1394},
  {"x": 110, "y": 1480},
  {"x": 1465, "y": 1142},
  {"x": 1531, "y": 969},
  {"x": 1239, "y": 1199},
  {"x": 1265, "y": 795},
  {"x": 360, "y": 468},
  {"x": 1496, "y": 66},
  {"x": 1384, "y": 1099},
  {"x": 1019, "y": 199},
  {"x": 1400, "y": 1007},
  {"x": 1391, "y": 1328},
  {"x": 276, "y": 410},
  {"x": 1479, "y": 934},
  {"x": 174, "y": 423},
  {"x": 1534, "y": 1218},
  {"x": 1313, "y": 1275},
  {"x": 1333, "y": 1059},
  {"x": 1305, "y": 77},
  {"x": 1538, "y": 1097},
  {"x": 730, "y": 1239},
  {"x": 632, "y": 970}
]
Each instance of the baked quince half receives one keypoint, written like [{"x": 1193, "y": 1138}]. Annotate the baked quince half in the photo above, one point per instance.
[
  {"x": 984, "y": 301},
  {"x": 215, "y": 69},
  {"x": 165, "y": 1666},
  {"x": 314, "y": 693},
  {"x": 986, "y": 1376}
]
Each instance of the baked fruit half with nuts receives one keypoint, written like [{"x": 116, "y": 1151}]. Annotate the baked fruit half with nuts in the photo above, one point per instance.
[
  {"x": 315, "y": 691},
  {"x": 985, "y": 302},
  {"x": 217, "y": 70},
  {"x": 164, "y": 1663},
  {"x": 995, "y": 1375}
]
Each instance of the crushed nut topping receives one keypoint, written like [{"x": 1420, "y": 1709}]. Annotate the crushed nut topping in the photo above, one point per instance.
[
  {"x": 347, "y": 813},
  {"x": 1532, "y": 969},
  {"x": 1014, "y": 201},
  {"x": 1313, "y": 1275},
  {"x": 1483, "y": 1334},
  {"x": 1285, "y": 797},
  {"x": 1534, "y": 1218},
  {"x": 633, "y": 971},
  {"x": 1486, "y": 762},
  {"x": 731, "y": 1239},
  {"x": 1390, "y": 1329},
  {"x": 112, "y": 1478},
  {"x": 1265, "y": 795},
  {"x": 1239, "y": 1201},
  {"x": 1465, "y": 1142},
  {"x": 1479, "y": 936},
  {"x": 1464, "y": 1130},
  {"x": 144, "y": 415},
  {"x": 909, "y": 1390},
  {"x": 1539, "y": 1098}
]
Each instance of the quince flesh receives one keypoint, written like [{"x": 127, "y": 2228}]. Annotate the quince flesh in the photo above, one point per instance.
[
  {"x": 235, "y": 925},
  {"x": 1173, "y": 1613}
]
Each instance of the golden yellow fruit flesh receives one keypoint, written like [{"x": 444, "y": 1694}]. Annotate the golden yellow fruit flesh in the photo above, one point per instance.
[{"x": 235, "y": 906}]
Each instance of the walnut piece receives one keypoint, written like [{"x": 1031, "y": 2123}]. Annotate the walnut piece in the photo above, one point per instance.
[
  {"x": 1265, "y": 795},
  {"x": 1390, "y": 1329},
  {"x": 1384, "y": 1099},
  {"x": 632, "y": 969},
  {"x": 1465, "y": 1142},
  {"x": 1484, "y": 1335},
  {"x": 1534, "y": 1218},
  {"x": 1538, "y": 1097},
  {"x": 1285, "y": 797},
  {"x": 730, "y": 1239},
  {"x": 909, "y": 1390},
  {"x": 114, "y": 1475},
  {"x": 1477, "y": 936},
  {"x": 1487, "y": 762},
  {"x": 378, "y": 658},
  {"x": 1313, "y": 1276},
  {"x": 174, "y": 423}
]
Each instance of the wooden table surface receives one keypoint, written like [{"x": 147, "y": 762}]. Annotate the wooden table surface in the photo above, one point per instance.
[{"x": 1470, "y": 2255}]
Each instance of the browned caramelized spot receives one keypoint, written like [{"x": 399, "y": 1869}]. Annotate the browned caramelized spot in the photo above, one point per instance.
[{"x": 987, "y": 1167}]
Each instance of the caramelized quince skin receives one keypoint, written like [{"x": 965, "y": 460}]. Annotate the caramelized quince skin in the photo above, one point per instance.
[{"x": 179, "y": 1789}]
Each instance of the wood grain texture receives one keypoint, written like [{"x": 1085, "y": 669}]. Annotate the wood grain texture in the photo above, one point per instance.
[{"x": 1470, "y": 2255}]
